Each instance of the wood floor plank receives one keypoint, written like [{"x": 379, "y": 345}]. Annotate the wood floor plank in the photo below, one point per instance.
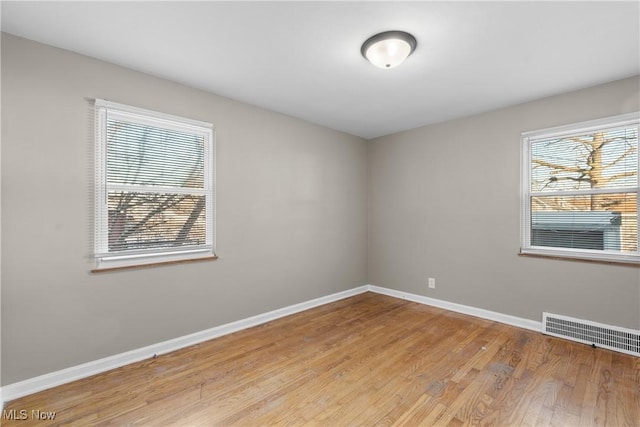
[{"x": 366, "y": 360}]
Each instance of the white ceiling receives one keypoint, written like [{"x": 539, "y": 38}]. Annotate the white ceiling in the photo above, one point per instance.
[{"x": 303, "y": 58}]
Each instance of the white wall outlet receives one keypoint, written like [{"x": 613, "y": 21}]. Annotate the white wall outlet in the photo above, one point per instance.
[{"x": 432, "y": 283}]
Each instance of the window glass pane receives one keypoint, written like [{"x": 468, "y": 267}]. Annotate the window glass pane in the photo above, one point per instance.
[
  {"x": 606, "y": 222},
  {"x": 140, "y": 221},
  {"x": 148, "y": 155},
  {"x": 598, "y": 160}
]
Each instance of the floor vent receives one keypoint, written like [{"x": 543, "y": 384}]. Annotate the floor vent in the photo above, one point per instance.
[{"x": 585, "y": 331}]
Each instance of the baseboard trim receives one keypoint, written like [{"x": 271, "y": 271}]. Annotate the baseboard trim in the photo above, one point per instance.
[
  {"x": 460, "y": 308},
  {"x": 53, "y": 379}
]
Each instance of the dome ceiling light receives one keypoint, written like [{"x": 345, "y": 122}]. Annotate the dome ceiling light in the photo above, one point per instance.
[{"x": 388, "y": 49}]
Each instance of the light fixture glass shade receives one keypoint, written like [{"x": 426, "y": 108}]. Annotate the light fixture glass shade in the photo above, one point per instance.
[{"x": 389, "y": 49}]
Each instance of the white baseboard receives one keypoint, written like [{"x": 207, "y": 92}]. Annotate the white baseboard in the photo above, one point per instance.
[
  {"x": 43, "y": 382},
  {"x": 459, "y": 308}
]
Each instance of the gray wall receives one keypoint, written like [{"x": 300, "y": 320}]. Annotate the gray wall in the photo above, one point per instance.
[
  {"x": 291, "y": 216},
  {"x": 445, "y": 202},
  {"x": 294, "y": 202}
]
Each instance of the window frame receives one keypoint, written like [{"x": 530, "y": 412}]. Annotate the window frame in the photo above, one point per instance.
[
  {"x": 527, "y": 138},
  {"x": 103, "y": 258}
]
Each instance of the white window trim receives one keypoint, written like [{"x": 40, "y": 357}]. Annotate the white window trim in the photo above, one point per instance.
[
  {"x": 622, "y": 120},
  {"x": 105, "y": 260}
]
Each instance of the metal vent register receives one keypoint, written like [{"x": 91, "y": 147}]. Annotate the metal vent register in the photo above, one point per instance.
[{"x": 585, "y": 331}]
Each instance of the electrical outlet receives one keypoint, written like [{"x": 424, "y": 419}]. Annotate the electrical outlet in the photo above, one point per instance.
[{"x": 432, "y": 283}]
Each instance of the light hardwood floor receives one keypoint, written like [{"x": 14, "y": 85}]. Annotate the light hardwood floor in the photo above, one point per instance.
[{"x": 366, "y": 360}]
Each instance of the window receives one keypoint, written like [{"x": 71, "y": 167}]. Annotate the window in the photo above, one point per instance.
[
  {"x": 154, "y": 187},
  {"x": 580, "y": 190}
]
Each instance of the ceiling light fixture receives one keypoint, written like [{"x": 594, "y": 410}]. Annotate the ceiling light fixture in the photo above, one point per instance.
[{"x": 388, "y": 49}]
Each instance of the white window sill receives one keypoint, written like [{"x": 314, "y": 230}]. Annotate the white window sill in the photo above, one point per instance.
[
  {"x": 599, "y": 257},
  {"x": 104, "y": 264}
]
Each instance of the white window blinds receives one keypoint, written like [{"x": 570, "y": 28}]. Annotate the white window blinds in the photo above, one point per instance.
[
  {"x": 154, "y": 186},
  {"x": 580, "y": 187}
]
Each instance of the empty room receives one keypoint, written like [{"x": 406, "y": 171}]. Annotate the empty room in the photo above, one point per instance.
[{"x": 320, "y": 213}]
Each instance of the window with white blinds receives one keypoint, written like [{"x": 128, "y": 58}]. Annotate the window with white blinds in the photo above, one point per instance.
[
  {"x": 154, "y": 187},
  {"x": 580, "y": 190}
]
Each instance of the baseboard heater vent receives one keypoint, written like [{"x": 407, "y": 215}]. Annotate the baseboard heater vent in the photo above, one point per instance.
[{"x": 585, "y": 331}]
